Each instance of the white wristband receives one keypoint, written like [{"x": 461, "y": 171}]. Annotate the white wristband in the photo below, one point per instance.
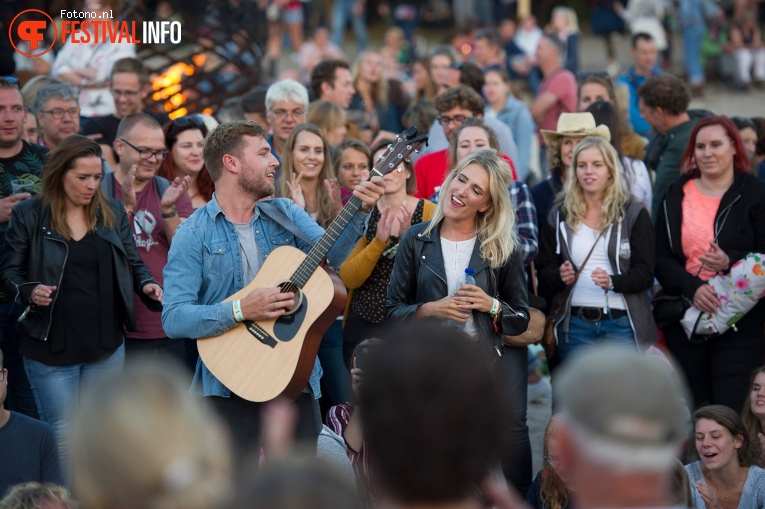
[
  {"x": 494, "y": 307},
  {"x": 238, "y": 316}
]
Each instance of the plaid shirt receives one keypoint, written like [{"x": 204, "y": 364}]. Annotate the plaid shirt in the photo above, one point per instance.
[{"x": 525, "y": 219}]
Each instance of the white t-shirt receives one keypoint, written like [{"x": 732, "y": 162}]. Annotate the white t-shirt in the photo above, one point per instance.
[
  {"x": 456, "y": 259},
  {"x": 586, "y": 292}
]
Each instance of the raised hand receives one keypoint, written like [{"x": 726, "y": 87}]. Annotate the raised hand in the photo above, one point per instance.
[
  {"x": 404, "y": 217},
  {"x": 385, "y": 224},
  {"x": 369, "y": 191},
  {"x": 296, "y": 191},
  {"x": 128, "y": 189},
  {"x": 178, "y": 188},
  {"x": 709, "y": 496},
  {"x": 333, "y": 188}
]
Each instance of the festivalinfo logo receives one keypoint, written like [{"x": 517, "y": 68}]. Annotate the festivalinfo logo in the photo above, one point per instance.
[{"x": 86, "y": 27}]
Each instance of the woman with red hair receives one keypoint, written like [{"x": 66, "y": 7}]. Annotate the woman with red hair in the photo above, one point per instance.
[
  {"x": 185, "y": 139},
  {"x": 711, "y": 217}
]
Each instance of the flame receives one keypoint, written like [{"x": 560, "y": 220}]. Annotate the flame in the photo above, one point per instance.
[{"x": 168, "y": 87}]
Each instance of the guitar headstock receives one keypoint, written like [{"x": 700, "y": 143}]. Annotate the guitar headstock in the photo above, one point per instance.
[{"x": 406, "y": 143}]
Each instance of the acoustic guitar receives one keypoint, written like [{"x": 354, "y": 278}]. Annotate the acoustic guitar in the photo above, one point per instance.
[{"x": 259, "y": 361}]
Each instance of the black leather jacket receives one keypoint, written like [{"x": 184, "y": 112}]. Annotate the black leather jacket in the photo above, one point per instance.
[
  {"x": 34, "y": 254},
  {"x": 419, "y": 277}
]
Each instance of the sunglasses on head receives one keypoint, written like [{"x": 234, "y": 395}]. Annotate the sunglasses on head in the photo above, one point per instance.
[
  {"x": 743, "y": 122},
  {"x": 189, "y": 120},
  {"x": 593, "y": 74}
]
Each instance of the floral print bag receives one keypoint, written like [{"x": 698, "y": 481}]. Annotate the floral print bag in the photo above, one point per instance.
[{"x": 738, "y": 292}]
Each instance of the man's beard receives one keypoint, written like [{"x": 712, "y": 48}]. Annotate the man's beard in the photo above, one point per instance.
[{"x": 259, "y": 187}]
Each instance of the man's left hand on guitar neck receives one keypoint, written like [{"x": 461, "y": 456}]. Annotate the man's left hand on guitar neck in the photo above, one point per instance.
[{"x": 369, "y": 191}]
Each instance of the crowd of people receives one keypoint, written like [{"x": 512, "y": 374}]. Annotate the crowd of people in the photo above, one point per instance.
[{"x": 133, "y": 245}]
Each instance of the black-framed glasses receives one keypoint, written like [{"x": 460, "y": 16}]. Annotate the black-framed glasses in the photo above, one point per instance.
[
  {"x": 58, "y": 113},
  {"x": 145, "y": 153},
  {"x": 457, "y": 119},
  {"x": 194, "y": 120},
  {"x": 130, "y": 94},
  {"x": 2, "y": 374}
]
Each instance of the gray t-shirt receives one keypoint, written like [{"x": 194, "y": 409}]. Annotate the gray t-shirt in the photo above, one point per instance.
[{"x": 250, "y": 252}]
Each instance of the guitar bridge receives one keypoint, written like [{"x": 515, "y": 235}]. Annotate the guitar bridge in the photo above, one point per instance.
[{"x": 260, "y": 334}]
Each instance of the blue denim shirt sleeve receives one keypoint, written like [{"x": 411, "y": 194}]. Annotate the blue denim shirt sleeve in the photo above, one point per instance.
[{"x": 188, "y": 278}]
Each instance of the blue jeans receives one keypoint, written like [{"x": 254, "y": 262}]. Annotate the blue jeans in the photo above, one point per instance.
[
  {"x": 583, "y": 334},
  {"x": 19, "y": 397},
  {"x": 336, "y": 381},
  {"x": 342, "y": 11},
  {"x": 57, "y": 389},
  {"x": 693, "y": 35}
]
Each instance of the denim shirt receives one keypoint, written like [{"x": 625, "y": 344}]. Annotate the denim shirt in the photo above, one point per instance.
[
  {"x": 204, "y": 267},
  {"x": 517, "y": 117}
]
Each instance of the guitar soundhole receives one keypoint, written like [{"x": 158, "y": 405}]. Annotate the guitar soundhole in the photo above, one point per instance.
[{"x": 288, "y": 286}]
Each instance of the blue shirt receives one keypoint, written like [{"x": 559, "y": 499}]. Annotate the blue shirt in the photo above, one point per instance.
[
  {"x": 204, "y": 267},
  {"x": 633, "y": 80},
  {"x": 517, "y": 117}
]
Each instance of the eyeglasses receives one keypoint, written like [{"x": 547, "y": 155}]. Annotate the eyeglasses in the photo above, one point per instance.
[
  {"x": 2, "y": 374},
  {"x": 58, "y": 113},
  {"x": 554, "y": 461},
  {"x": 126, "y": 93},
  {"x": 145, "y": 153},
  {"x": 457, "y": 119},
  {"x": 189, "y": 120},
  {"x": 281, "y": 114}
]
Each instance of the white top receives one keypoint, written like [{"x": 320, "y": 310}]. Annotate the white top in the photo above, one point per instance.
[
  {"x": 586, "y": 292},
  {"x": 638, "y": 181},
  {"x": 456, "y": 259}
]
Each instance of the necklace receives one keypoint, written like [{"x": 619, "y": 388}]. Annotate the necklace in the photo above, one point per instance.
[{"x": 718, "y": 490}]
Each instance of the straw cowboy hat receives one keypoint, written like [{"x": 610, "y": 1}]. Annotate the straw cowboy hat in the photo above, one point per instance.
[{"x": 577, "y": 124}]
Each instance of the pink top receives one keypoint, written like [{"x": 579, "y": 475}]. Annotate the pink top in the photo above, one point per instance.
[{"x": 698, "y": 228}]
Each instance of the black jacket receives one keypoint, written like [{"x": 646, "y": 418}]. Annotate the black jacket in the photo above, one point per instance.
[
  {"x": 739, "y": 222},
  {"x": 630, "y": 244},
  {"x": 34, "y": 254},
  {"x": 419, "y": 277}
]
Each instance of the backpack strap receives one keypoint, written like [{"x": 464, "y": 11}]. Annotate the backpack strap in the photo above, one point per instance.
[
  {"x": 162, "y": 185},
  {"x": 274, "y": 213},
  {"x": 107, "y": 184}
]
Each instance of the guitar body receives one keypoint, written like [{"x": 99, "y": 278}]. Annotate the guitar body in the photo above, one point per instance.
[{"x": 259, "y": 361}]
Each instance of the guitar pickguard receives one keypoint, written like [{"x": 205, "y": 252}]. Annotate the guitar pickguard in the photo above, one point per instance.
[{"x": 286, "y": 327}]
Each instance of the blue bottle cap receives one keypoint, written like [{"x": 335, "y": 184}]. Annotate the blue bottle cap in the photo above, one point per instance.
[{"x": 469, "y": 271}]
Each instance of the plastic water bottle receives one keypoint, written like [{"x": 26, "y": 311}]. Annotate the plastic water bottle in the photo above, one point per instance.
[{"x": 466, "y": 278}]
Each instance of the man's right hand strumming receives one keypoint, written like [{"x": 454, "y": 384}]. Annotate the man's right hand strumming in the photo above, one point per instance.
[{"x": 266, "y": 304}]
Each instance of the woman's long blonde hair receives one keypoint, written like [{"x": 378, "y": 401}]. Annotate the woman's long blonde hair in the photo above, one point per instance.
[
  {"x": 61, "y": 161},
  {"x": 379, "y": 90},
  {"x": 495, "y": 228},
  {"x": 324, "y": 200},
  {"x": 615, "y": 197}
]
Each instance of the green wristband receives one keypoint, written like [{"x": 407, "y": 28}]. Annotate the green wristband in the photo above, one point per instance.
[{"x": 238, "y": 316}]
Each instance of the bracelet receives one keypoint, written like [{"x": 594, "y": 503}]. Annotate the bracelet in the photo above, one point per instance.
[
  {"x": 494, "y": 307},
  {"x": 610, "y": 284},
  {"x": 238, "y": 316},
  {"x": 173, "y": 213}
]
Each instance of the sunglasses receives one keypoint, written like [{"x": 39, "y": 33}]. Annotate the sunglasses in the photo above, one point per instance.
[
  {"x": 189, "y": 120},
  {"x": 593, "y": 74},
  {"x": 744, "y": 122}
]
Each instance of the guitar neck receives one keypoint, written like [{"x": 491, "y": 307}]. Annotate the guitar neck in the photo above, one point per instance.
[{"x": 319, "y": 251}]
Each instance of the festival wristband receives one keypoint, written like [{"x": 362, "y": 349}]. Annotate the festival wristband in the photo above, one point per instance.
[
  {"x": 238, "y": 316},
  {"x": 494, "y": 307}
]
